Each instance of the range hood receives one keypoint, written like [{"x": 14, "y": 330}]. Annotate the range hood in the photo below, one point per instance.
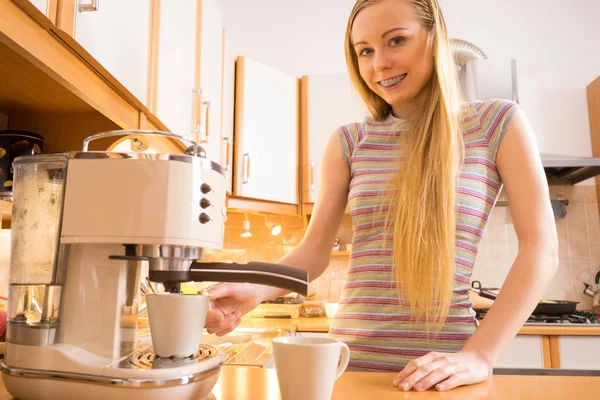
[{"x": 569, "y": 170}]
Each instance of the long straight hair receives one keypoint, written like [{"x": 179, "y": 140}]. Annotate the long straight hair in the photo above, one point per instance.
[{"x": 421, "y": 197}]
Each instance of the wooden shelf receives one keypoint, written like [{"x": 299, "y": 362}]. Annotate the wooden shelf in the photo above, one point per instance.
[
  {"x": 247, "y": 204},
  {"x": 41, "y": 74}
]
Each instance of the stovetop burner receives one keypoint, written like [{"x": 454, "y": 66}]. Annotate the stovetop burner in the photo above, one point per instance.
[{"x": 578, "y": 317}]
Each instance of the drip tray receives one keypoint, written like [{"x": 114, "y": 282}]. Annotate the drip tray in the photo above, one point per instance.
[{"x": 147, "y": 360}]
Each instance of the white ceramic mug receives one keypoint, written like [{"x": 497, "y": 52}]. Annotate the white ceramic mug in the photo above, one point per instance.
[
  {"x": 307, "y": 367},
  {"x": 176, "y": 322}
]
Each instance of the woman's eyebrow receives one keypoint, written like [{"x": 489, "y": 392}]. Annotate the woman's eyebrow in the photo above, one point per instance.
[{"x": 384, "y": 34}]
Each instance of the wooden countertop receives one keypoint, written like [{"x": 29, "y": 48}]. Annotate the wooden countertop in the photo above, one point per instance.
[
  {"x": 322, "y": 325},
  {"x": 251, "y": 383}
]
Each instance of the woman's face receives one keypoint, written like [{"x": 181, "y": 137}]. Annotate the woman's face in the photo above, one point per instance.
[{"x": 394, "y": 53}]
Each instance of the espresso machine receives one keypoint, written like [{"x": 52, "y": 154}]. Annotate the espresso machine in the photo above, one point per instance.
[{"x": 88, "y": 229}]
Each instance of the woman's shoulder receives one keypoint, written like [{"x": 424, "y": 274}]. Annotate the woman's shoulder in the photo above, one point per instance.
[{"x": 484, "y": 112}]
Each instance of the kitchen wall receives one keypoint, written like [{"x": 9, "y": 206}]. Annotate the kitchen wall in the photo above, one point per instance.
[
  {"x": 579, "y": 246},
  {"x": 578, "y": 236},
  {"x": 552, "y": 41}
]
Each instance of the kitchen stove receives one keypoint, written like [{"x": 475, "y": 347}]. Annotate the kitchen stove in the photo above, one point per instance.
[{"x": 578, "y": 317}]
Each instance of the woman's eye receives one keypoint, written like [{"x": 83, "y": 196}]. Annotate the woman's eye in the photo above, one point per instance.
[
  {"x": 365, "y": 52},
  {"x": 397, "y": 41}
]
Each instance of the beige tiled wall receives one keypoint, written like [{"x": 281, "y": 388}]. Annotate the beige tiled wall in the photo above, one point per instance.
[
  {"x": 578, "y": 235},
  {"x": 579, "y": 246}
]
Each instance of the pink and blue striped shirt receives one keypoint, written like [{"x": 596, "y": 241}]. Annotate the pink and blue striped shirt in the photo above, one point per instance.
[{"x": 375, "y": 324}]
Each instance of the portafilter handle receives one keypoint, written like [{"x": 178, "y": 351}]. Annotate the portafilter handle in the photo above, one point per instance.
[{"x": 262, "y": 273}]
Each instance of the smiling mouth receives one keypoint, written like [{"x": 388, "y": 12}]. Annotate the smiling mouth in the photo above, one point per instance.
[{"x": 387, "y": 83}]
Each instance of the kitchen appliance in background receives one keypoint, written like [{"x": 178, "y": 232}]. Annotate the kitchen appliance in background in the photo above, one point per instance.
[
  {"x": 483, "y": 78},
  {"x": 14, "y": 143},
  {"x": 88, "y": 228},
  {"x": 594, "y": 292},
  {"x": 547, "y": 311}
]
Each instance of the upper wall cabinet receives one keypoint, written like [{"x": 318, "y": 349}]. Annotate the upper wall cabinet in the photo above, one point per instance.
[
  {"x": 43, "y": 11},
  {"x": 228, "y": 99},
  {"x": 266, "y": 133},
  {"x": 330, "y": 101},
  {"x": 46, "y": 7},
  {"x": 177, "y": 88},
  {"x": 116, "y": 34},
  {"x": 190, "y": 76},
  {"x": 211, "y": 80}
]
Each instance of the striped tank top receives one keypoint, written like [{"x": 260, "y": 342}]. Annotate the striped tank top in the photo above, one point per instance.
[{"x": 375, "y": 324}]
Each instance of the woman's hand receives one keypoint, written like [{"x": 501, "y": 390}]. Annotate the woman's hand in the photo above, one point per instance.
[
  {"x": 228, "y": 302},
  {"x": 444, "y": 370}
]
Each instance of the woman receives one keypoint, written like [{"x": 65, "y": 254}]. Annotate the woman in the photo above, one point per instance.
[{"x": 420, "y": 178}]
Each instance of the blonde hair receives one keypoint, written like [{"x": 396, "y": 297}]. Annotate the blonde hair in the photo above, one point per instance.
[{"x": 422, "y": 194}]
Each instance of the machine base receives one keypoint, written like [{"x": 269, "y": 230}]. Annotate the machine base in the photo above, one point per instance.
[{"x": 58, "y": 388}]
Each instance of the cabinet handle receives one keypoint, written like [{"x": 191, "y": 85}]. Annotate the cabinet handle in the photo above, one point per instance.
[
  {"x": 227, "y": 141},
  {"x": 311, "y": 176},
  {"x": 93, "y": 6},
  {"x": 206, "y": 124},
  {"x": 196, "y": 108},
  {"x": 246, "y": 174}
]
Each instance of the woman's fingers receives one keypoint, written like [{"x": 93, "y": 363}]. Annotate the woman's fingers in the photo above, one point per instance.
[
  {"x": 438, "y": 375},
  {"x": 415, "y": 364},
  {"x": 454, "y": 381},
  {"x": 222, "y": 323},
  {"x": 423, "y": 372},
  {"x": 231, "y": 326}
]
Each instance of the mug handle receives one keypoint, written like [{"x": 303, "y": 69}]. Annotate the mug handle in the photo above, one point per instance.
[{"x": 345, "y": 354}]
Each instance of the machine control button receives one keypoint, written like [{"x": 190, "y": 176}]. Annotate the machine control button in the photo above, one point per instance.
[
  {"x": 205, "y": 203},
  {"x": 204, "y": 218},
  {"x": 205, "y": 188}
]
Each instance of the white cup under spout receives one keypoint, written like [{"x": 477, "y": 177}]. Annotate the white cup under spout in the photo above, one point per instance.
[{"x": 176, "y": 322}]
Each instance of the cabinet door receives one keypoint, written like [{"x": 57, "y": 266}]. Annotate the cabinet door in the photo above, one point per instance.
[
  {"x": 46, "y": 7},
  {"x": 579, "y": 352},
  {"x": 176, "y": 65},
  {"x": 228, "y": 110},
  {"x": 211, "y": 73},
  {"x": 332, "y": 102},
  {"x": 116, "y": 34},
  {"x": 266, "y": 133},
  {"x": 525, "y": 351},
  {"x": 41, "y": 5}
]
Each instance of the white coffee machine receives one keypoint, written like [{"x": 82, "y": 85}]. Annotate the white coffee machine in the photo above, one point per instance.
[{"x": 88, "y": 228}]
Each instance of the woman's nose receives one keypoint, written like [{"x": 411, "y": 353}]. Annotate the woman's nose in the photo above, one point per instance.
[{"x": 382, "y": 61}]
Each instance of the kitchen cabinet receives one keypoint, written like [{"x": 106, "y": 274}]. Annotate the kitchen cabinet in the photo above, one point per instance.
[
  {"x": 330, "y": 101},
  {"x": 41, "y": 5},
  {"x": 189, "y": 77},
  {"x": 117, "y": 34},
  {"x": 593, "y": 103},
  {"x": 579, "y": 352},
  {"x": 266, "y": 133},
  {"x": 46, "y": 7},
  {"x": 525, "y": 351},
  {"x": 227, "y": 110},
  {"x": 211, "y": 80},
  {"x": 176, "y": 62}
]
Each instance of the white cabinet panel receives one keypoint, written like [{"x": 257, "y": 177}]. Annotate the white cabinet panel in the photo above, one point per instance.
[
  {"x": 269, "y": 129},
  {"x": 176, "y": 65},
  {"x": 332, "y": 102},
  {"x": 228, "y": 104},
  {"x": 579, "y": 352},
  {"x": 117, "y": 36},
  {"x": 41, "y": 5},
  {"x": 525, "y": 351},
  {"x": 211, "y": 56}
]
